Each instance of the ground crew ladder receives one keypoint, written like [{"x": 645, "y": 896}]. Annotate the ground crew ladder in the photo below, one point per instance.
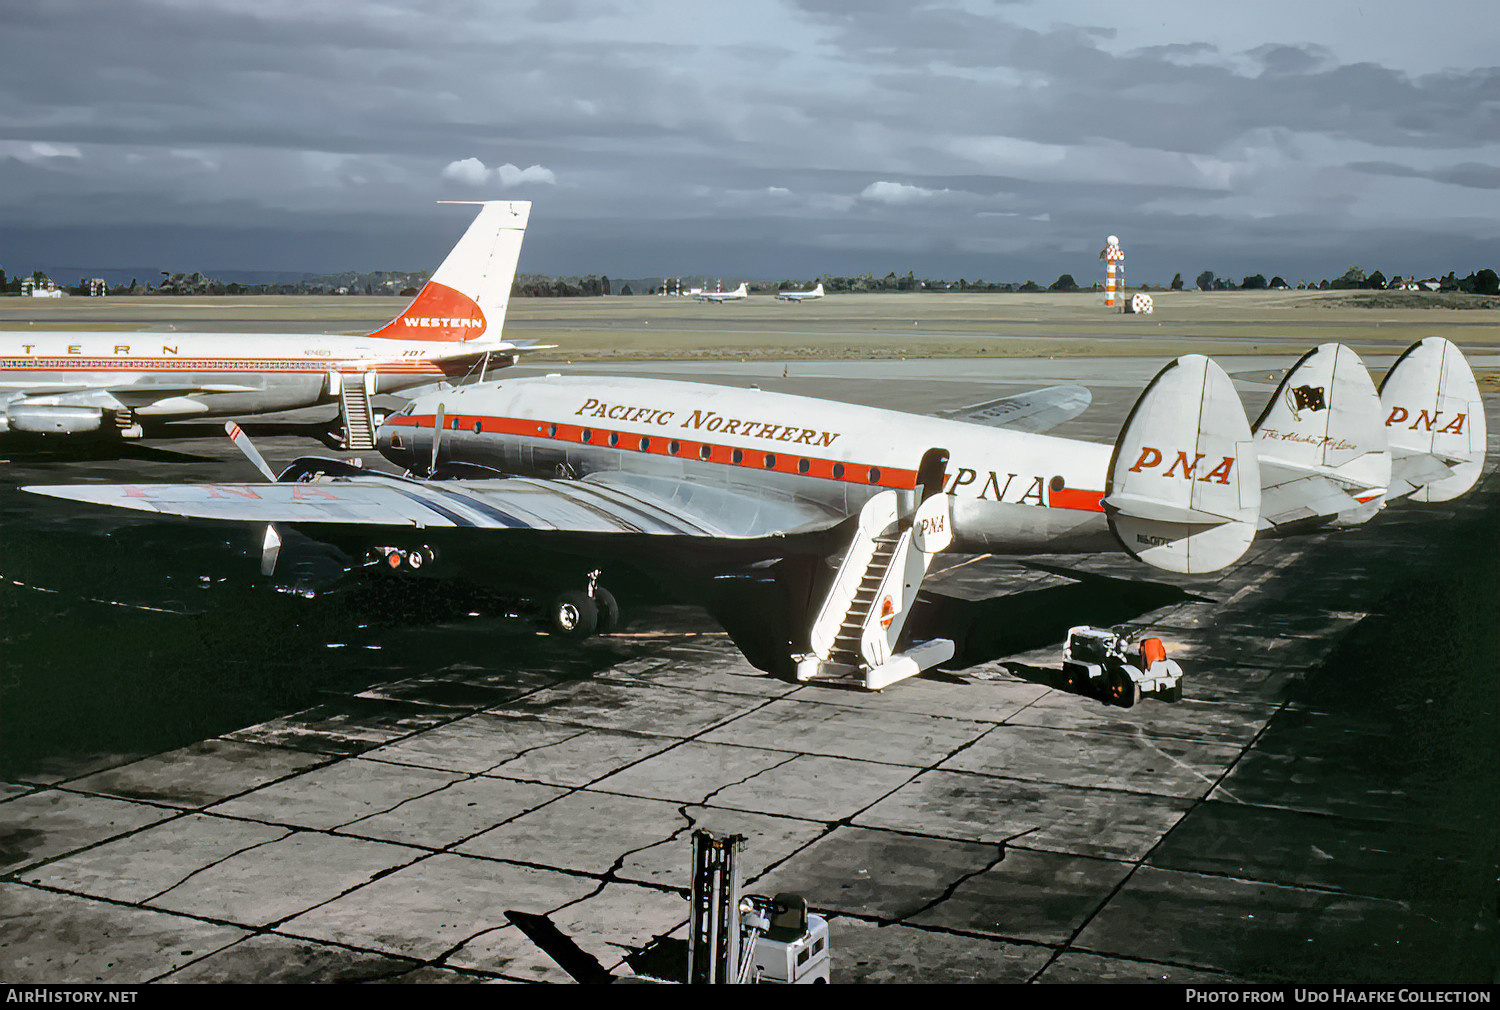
[
  {"x": 355, "y": 410},
  {"x": 854, "y": 634},
  {"x": 847, "y": 645}
]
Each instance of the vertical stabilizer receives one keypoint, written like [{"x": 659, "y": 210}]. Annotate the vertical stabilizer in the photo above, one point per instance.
[
  {"x": 1434, "y": 421},
  {"x": 467, "y": 296},
  {"x": 1184, "y": 483},
  {"x": 1321, "y": 442}
]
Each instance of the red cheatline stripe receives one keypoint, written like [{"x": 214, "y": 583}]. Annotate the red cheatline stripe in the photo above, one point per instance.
[
  {"x": 1076, "y": 498},
  {"x": 661, "y": 445},
  {"x": 209, "y": 365}
]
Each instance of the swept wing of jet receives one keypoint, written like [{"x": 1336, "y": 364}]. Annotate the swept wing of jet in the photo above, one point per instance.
[
  {"x": 558, "y": 481},
  {"x": 1036, "y": 411},
  {"x": 76, "y": 382}
]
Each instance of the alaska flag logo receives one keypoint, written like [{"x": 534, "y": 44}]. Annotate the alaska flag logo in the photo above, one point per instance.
[{"x": 1306, "y": 398}]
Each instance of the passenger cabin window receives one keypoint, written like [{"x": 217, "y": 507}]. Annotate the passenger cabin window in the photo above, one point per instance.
[
  {"x": 478, "y": 427},
  {"x": 770, "y": 461},
  {"x": 588, "y": 436},
  {"x": 614, "y": 438},
  {"x": 803, "y": 466},
  {"x": 674, "y": 447},
  {"x": 838, "y": 470},
  {"x": 874, "y": 475},
  {"x": 737, "y": 456},
  {"x": 645, "y": 444},
  {"x": 704, "y": 452}
]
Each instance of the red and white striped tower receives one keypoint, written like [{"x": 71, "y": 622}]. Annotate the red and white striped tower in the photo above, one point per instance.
[{"x": 1114, "y": 272}]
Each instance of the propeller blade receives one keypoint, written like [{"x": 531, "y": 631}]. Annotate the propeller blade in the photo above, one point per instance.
[
  {"x": 437, "y": 434},
  {"x": 270, "y": 549},
  {"x": 243, "y": 443}
]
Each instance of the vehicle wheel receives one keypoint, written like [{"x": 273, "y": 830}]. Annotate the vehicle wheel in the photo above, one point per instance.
[
  {"x": 573, "y": 614},
  {"x": 608, "y": 616},
  {"x": 1121, "y": 690},
  {"x": 1074, "y": 678}
]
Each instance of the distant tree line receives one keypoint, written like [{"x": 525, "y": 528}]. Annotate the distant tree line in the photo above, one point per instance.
[{"x": 1479, "y": 282}]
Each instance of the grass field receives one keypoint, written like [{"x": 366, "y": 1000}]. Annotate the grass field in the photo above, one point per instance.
[{"x": 850, "y": 326}]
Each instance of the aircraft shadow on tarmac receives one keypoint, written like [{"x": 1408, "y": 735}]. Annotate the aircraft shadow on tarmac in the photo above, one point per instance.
[
  {"x": 88, "y": 450},
  {"x": 985, "y": 630},
  {"x": 83, "y": 448}
]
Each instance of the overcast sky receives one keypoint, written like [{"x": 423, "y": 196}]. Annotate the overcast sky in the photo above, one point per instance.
[{"x": 763, "y": 138}]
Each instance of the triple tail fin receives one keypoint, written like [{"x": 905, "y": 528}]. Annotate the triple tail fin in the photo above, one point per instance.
[
  {"x": 1434, "y": 422},
  {"x": 1321, "y": 442},
  {"x": 468, "y": 294},
  {"x": 1184, "y": 482}
]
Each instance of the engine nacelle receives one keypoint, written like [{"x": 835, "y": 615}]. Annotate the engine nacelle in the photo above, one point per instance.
[{"x": 44, "y": 419}]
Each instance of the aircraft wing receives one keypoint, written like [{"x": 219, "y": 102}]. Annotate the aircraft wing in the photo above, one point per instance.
[
  {"x": 346, "y": 496},
  {"x": 1035, "y": 411},
  {"x": 123, "y": 394}
]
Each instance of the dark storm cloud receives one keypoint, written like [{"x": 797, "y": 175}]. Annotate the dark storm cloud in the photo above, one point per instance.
[{"x": 977, "y": 139}]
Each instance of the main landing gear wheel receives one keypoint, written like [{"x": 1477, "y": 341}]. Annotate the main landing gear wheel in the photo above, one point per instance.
[
  {"x": 1121, "y": 690},
  {"x": 573, "y": 614},
  {"x": 608, "y": 617}
]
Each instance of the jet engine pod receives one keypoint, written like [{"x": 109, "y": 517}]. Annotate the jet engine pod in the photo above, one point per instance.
[{"x": 45, "y": 419}]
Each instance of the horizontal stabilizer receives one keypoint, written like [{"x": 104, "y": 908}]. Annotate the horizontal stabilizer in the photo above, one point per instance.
[
  {"x": 1433, "y": 415},
  {"x": 1321, "y": 435},
  {"x": 1184, "y": 482}
]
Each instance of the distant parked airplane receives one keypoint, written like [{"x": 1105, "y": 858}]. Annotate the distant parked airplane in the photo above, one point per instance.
[
  {"x": 77, "y": 382},
  {"x": 743, "y": 291},
  {"x": 800, "y": 296}
]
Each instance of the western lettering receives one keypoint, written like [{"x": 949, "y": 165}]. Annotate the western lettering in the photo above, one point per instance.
[
  {"x": 1398, "y": 414},
  {"x": 1035, "y": 491},
  {"x": 1425, "y": 421},
  {"x": 1454, "y": 427}
]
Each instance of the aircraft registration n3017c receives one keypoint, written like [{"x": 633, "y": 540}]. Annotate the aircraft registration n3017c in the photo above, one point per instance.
[
  {"x": 76, "y": 382},
  {"x": 558, "y": 485}
]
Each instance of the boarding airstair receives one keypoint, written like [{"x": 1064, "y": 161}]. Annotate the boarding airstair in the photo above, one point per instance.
[
  {"x": 854, "y": 637},
  {"x": 355, "y": 411}
]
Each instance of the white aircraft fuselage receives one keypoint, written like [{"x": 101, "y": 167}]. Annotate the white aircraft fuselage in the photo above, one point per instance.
[
  {"x": 221, "y": 373},
  {"x": 1012, "y": 491}
]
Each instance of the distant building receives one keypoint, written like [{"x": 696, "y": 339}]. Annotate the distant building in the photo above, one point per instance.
[{"x": 39, "y": 289}]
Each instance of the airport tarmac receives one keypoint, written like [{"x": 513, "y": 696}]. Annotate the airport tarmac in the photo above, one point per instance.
[{"x": 223, "y": 783}]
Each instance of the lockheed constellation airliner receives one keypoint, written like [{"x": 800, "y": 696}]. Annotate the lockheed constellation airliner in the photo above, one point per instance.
[
  {"x": 75, "y": 382},
  {"x": 559, "y": 485}
]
